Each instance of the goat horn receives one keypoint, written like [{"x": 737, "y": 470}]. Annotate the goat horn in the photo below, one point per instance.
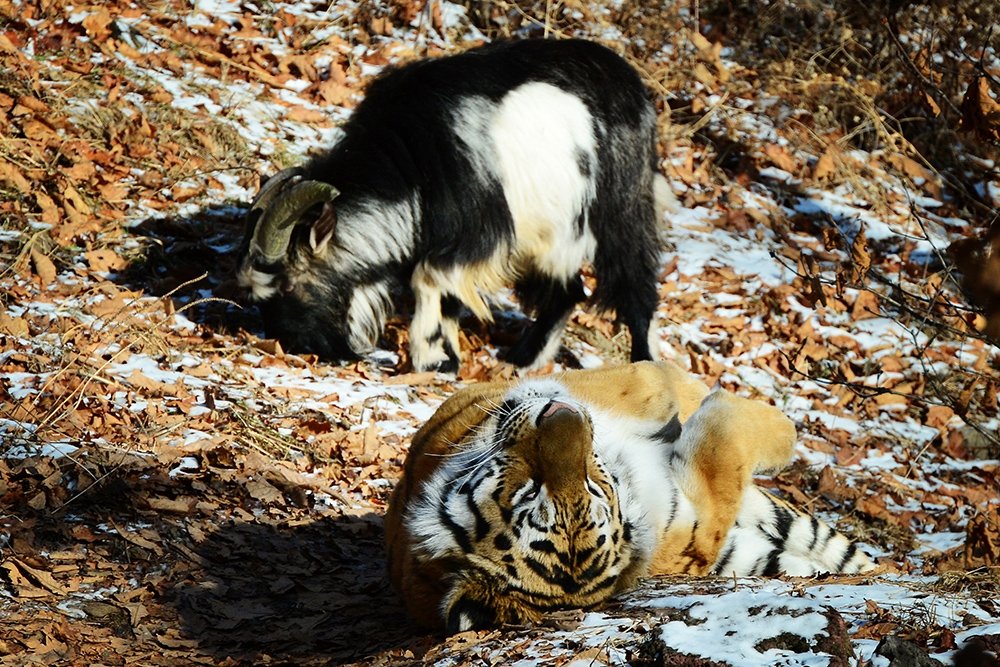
[
  {"x": 273, "y": 186},
  {"x": 281, "y": 209}
]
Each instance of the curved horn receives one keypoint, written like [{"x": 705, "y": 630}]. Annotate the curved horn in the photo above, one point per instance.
[
  {"x": 281, "y": 208},
  {"x": 273, "y": 186}
]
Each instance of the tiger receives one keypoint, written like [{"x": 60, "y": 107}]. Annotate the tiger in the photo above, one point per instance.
[{"x": 554, "y": 492}]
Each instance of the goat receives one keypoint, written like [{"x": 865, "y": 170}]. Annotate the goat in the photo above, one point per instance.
[{"x": 509, "y": 164}]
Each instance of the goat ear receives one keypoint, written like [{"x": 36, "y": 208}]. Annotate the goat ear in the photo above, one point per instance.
[{"x": 322, "y": 230}]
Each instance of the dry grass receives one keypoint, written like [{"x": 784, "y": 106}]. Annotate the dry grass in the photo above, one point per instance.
[{"x": 984, "y": 580}]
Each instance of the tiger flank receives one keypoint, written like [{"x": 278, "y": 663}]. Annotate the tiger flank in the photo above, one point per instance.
[{"x": 518, "y": 499}]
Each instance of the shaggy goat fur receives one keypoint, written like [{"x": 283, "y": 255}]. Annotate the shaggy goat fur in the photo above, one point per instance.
[{"x": 512, "y": 164}]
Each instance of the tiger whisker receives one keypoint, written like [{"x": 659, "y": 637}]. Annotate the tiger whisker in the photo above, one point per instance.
[
  {"x": 471, "y": 474},
  {"x": 491, "y": 448},
  {"x": 482, "y": 456},
  {"x": 462, "y": 451}
]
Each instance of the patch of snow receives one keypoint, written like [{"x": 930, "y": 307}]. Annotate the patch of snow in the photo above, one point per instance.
[
  {"x": 938, "y": 542},
  {"x": 55, "y": 450}
]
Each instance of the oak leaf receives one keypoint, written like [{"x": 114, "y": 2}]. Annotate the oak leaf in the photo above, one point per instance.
[
  {"x": 13, "y": 326},
  {"x": 81, "y": 171},
  {"x": 865, "y": 306},
  {"x": 827, "y": 164},
  {"x": 36, "y": 576},
  {"x": 11, "y": 174},
  {"x": 861, "y": 259},
  {"x": 309, "y": 116},
  {"x": 104, "y": 260}
]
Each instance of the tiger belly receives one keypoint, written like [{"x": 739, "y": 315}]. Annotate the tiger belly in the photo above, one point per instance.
[{"x": 684, "y": 531}]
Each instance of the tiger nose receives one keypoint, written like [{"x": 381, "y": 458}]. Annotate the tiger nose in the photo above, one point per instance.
[{"x": 553, "y": 407}]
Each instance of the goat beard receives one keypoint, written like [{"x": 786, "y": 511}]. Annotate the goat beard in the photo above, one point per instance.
[{"x": 366, "y": 316}]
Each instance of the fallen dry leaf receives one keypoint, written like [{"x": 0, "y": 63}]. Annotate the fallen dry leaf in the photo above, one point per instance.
[
  {"x": 44, "y": 268},
  {"x": 980, "y": 112}
]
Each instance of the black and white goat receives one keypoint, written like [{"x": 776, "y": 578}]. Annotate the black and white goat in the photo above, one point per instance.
[{"x": 510, "y": 164}]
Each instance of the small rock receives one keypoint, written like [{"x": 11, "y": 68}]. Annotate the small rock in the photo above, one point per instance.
[{"x": 903, "y": 653}]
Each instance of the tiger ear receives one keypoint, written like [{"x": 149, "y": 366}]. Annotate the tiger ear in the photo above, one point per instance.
[{"x": 478, "y": 601}]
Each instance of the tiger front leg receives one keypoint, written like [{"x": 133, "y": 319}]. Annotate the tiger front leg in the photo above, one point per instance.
[{"x": 721, "y": 446}]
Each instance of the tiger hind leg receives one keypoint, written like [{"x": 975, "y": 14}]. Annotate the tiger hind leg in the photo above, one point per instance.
[{"x": 721, "y": 446}]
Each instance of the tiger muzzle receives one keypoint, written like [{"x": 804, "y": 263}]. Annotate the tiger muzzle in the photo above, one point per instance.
[{"x": 565, "y": 443}]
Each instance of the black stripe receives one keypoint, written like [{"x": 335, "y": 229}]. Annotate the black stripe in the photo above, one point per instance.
[
  {"x": 482, "y": 526},
  {"x": 673, "y": 509},
  {"x": 591, "y": 572},
  {"x": 607, "y": 582},
  {"x": 814, "y": 526},
  {"x": 545, "y": 546},
  {"x": 627, "y": 532},
  {"x": 456, "y": 530},
  {"x": 830, "y": 532},
  {"x": 848, "y": 555},
  {"x": 506, "y": 512},
  {"x": 723, "y": 563},
  {"x": 669, "y": 432},
  {"x": 772, "y": 568},
  {"x": 583, "y": 555},
  {"x": 782, "y": 524},
  {"x": 538, "y": 568},
  {"x": 540, "y": 527}
]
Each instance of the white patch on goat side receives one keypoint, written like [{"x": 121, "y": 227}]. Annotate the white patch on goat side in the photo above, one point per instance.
[
  {"x": 541, "y": 134},
  {"x": 471, "y": 122},
  {"x": 534, "y": 142},
  {"x": 366, "y": 315}
]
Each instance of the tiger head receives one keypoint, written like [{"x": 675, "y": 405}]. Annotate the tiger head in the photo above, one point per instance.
[{"x": 514, "y": 518}]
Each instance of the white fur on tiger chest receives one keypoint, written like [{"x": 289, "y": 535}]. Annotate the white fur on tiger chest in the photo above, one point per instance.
[{"x": 648, "y": 492}]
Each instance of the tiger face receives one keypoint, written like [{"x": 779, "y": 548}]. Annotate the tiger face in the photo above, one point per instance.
[
  {"x": 519, "y": 499},
  {"x": 528, "y": 512}
]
